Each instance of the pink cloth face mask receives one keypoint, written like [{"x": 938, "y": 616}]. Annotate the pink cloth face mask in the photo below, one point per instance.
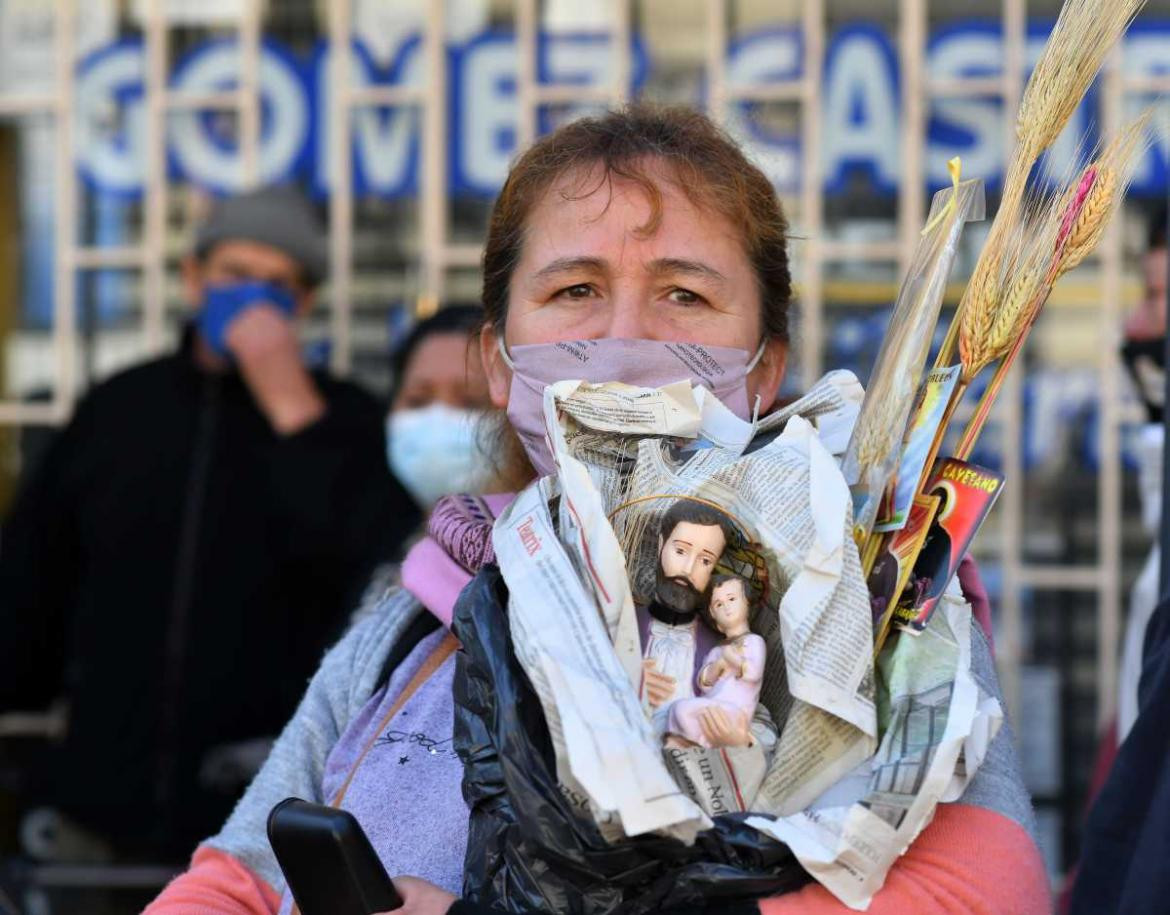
[{"x": 723, "y": 370}]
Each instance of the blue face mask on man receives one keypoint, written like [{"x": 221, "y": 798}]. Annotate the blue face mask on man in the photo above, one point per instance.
[{"x": 222, "y": 304}]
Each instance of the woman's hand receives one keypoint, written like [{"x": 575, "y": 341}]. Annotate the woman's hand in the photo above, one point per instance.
[{"x": 421, "y": 898}]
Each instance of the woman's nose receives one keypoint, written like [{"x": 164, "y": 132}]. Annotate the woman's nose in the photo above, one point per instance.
[{"x": 630, "y": 317}]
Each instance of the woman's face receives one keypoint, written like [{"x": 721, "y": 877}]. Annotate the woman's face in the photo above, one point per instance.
[
  {"x": 587, "y": 272},
  {"x": 443, "y": 369}
]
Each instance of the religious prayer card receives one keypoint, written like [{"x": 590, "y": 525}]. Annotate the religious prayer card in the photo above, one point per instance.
[
  {"x": 967, "y": 493},
  {"x": 933, "y": 397},
  {"x": 891, "y": 571}
]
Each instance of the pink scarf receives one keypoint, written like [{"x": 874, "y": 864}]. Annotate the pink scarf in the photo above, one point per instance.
[{"x": 458, "y": 544}]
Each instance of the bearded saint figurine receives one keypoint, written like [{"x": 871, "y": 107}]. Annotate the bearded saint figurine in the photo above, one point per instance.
[{"x": 675, "y": 639}]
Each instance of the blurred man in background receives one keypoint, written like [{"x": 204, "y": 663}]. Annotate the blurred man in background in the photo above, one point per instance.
[
  {"x": 179, "y": 559},
  {"x": 1115, "y": 806},
  {"x": 1144, "y": 356}
]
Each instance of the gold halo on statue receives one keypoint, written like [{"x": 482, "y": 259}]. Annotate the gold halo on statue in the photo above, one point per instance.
[{"x": 740, "y": 526}]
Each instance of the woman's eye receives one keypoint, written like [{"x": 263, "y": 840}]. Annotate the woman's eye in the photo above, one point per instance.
[
  {"x": 685, "y": 297},
  {"x": 577, "y": 291}
]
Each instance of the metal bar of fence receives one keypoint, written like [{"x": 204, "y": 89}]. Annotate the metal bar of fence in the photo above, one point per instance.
[
  {"x": 48, "y": 725},
  {"x": 190, "y": 100},
  {"x": 95, "y": 876},
  {"x": 65, "y": 216},
  {"x": 911, "y": 46},
  {"x": 341, "y": 185},
  {"x": 838, "y": 250},
  {"x": 816, "y": 249},
  {"x": 789, "y": 90},
  {"x": 527, "y": 24},
  {"x": 1108, "y": 432},
  {"x": 119, "y": 257},
  {"x": 379, "y": 96},
  {"x": 249, "y": 111},
  {"x": 568, "y": 94},
  {"x": 29, "y": 414},
  {"x": 153, "y": 252},
  {"x": 1059, "y": 577},
  {"x": 19, "y": 105},
  {"x": 1154, "y": 84},
  {"x": 620, "y": 50},
  {"x": 963, "y": 87},
  {"x": 463, "y": 255},
  {"x": 434, "y": 144},
  {"x": 1011, "y": 503},
  {"x": 716, "y": 67}
]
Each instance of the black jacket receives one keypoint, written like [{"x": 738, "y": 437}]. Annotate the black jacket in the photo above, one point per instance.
[
  {"x": 174, "y": 569},
  {"x": 1127, "y": 835}
]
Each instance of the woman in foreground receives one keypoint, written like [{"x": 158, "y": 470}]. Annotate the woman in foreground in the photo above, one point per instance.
[{"x": 645, "y": 225}]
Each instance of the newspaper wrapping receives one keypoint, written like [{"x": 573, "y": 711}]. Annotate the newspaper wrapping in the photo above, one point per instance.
[
  {"x": 623, "y": 454},
  {"x": 937, "y": 724}
]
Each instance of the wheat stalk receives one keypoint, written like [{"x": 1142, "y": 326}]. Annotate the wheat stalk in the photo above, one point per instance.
[
  {"x": 1075, "y": 222},
  {"x": 1010, "y": 283},
  {"x": 1091, "y": 202},
  {"x": 1084, "y": 32},
  {"x": 1089, "y": 225},
  {"x": 976, "y": 316},
  {"x": 1015, "y": 309}
]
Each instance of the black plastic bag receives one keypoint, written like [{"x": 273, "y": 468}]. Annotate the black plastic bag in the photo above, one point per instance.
[{"x": 529, "y": 848}]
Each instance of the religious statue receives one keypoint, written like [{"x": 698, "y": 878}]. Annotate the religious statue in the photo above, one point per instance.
[{"x": 691, "y": 538}]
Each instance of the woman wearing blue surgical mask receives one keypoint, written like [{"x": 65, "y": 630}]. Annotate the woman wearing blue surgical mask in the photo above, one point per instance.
[{"x": 438, "y": 403}]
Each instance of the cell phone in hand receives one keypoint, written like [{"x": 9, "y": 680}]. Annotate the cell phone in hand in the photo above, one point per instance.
[{"x": 327, "y": 860}]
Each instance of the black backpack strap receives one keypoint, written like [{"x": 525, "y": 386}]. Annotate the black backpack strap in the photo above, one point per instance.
[{"x": 420, "y": 627}]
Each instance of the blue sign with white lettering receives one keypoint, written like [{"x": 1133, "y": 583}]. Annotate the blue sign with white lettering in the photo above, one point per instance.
[
  {"x": 860, "y": 98},
  {"x": 860, "y": 113}
]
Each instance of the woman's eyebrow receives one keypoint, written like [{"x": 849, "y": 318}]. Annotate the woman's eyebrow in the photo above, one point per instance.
[
  {"x": 570, "y": 265},
  {"x": 676, "y": 265}
]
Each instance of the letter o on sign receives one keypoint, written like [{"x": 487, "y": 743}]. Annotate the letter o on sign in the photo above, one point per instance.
[{"x": 207, "y": 160}]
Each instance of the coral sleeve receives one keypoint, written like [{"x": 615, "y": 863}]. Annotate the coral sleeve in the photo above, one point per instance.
[
  {"x": 968, "y": 861},
  {"x": 216, "y": 884}
]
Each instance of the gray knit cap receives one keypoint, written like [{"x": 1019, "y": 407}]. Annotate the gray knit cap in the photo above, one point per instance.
[{"x": 279, "y": 216}]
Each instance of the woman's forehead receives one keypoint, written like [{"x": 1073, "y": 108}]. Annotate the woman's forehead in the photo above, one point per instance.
[{"x": 588, "y": 210}]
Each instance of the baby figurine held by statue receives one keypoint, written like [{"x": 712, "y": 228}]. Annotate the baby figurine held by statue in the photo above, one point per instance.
[{"x": 729, "y": 680}]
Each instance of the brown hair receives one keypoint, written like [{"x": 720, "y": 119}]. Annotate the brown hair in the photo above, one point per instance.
[
  {"x": 706, "y": 164},
  {"x": 713, "y": 586},
  {"x": 692, "y": 512},
  {"x": 723, "y": 578}
]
